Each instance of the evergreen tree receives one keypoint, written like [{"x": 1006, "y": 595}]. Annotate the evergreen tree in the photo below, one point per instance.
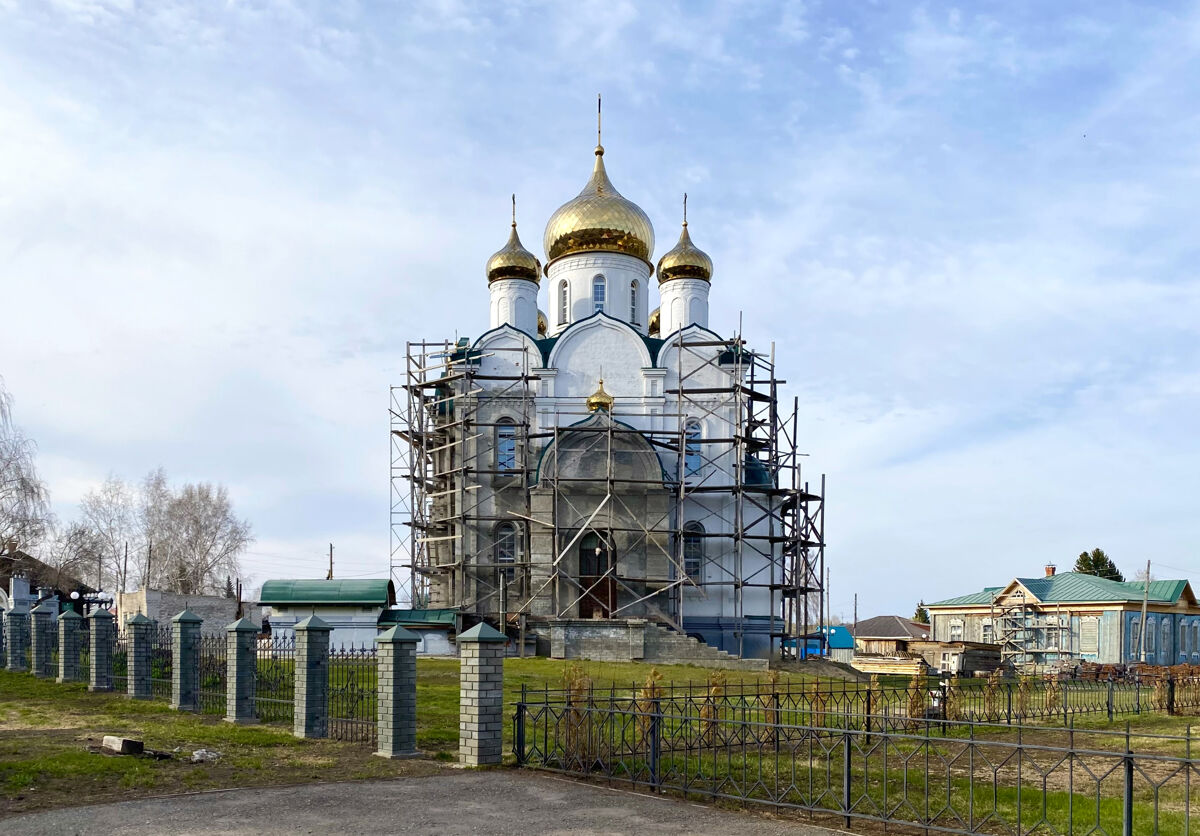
[
  {"x": 228, "y": 587},
  {"x": 1097, "y": 563},
  {"x": 921, "y": 616}
]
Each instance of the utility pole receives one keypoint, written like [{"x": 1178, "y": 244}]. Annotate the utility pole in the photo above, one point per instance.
[
  {"x": 125, "y": 567},
  {"x": 1145, "y": 601},
  {"x": 329, "y": 577},
  {"x": 149, "y": 555},
  {"x": 856, "y": 613}
]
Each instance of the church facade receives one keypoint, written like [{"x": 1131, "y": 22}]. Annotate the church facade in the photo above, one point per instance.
[{"x": 599, "y": 457}]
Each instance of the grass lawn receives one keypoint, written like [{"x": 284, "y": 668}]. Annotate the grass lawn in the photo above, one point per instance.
[{"x": 46, "y": 728}]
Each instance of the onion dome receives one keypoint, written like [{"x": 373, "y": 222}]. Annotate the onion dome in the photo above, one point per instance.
[
  {"x": 685, "y": 261},
  {"x": 542, "y": 325},
  {"x": 599, "y": 219},
  {"x": 655, "y": 325},
  {"x": 600, "y": 399},
  {"x": 513, "y": 261}
]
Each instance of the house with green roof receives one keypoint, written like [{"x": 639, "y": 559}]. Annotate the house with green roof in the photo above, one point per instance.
[
  {"x": 1069, "y": 616},
  {"x": 352, "y": 607}
]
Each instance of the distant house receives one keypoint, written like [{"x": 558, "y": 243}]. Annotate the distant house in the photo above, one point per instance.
[
  {"x": 1068, "y": 616},
  {"x": 887, "y": 635},
  {"x": 351, "y": 607},
  {"x": 839, "y": 644},
  {"x": 435, "y": 627},
  {"x": 24, "y": 580},
  {"x": 215, "y": 611}
]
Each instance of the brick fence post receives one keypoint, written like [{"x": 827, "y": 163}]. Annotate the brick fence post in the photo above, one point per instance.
[
  {"x": 241, "y": 671},
  {"x": 100, "y": 677},
  {"x": 3, "y": 652},
  {"x": 481, "y": 695},
  {"x": 137, "y": 681},
  {"x": 40, "y": 641},
  {"x": 397, "y": 697},
  {"x": 16, "y": 626},
  {"x": 69, "y": 646},
  {"x": 185, "y": 661},
  {"x": 311, "y": 718}
]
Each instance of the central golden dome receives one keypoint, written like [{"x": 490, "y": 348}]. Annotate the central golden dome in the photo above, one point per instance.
[{"x": 599, "y": 219}]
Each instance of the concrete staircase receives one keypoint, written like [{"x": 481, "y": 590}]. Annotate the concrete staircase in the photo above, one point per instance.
[{"x": 666, "y": 647}]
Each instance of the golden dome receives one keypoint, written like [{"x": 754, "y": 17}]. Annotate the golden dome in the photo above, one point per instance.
[
  {"x": 599, "y": 219},
  {"x": 513, "y": 261},
  {"x": 685, "y": 261},
  {"x": 655, "y": 324},
  {"x": 600, "y": 399},
  {"x": 542, "y": 325}
]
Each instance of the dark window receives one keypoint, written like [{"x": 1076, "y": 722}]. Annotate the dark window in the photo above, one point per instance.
[
  {"x": 506, "y": 445},
  {"x": 506, "y": 550},
  {"x": 693, "y": 550},
  {"x": 691, "y": 447},
  {"x": 633, "y": 288},
  {"x": 598, "y": 293}
]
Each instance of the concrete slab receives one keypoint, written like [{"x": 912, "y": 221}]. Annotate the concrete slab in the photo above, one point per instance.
[{"x": 497, "y": 802}]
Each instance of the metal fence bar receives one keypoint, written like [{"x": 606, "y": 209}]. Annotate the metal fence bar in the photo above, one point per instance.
[{"x": 352, "y": 694}]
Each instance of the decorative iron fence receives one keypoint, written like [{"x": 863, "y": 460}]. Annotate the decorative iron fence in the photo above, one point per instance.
[
  {"x": 986, "y": 778},
  {"x": 984, "y": 700},
  {"x": 212, "y": 673},
  {"x": 160, "y": 663},
  {"x": 275, "y": 687},
  {"x": 120, "y": 662},
  {"x": 352, "y": 694}
]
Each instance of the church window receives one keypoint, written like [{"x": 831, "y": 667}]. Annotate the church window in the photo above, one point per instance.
[
  {"x": 633, "y": 289},
  {"x": 562, "y": 303},
  {"x": 1151, "y": 624},
  {"x": 506, "y": 550},
  {"x": 691, "y": 447},
  {"x": 693, "y": 550},
  {"x": 506, "y": 445},
  {"x": 598, "y": 291}
]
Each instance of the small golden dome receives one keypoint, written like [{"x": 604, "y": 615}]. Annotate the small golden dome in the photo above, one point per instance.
[
  {"x": 685, "y": 261},
  {"x": 543, "y": 326},
  {"x": 600, "y": 399},
  {"x": 599, "y": 219},
  {"x": 513, "y": 261},
  {"x": 655, "y": 324}
]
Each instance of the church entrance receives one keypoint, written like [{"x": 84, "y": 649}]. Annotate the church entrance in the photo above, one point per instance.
[{"x": 595, "y": 563}]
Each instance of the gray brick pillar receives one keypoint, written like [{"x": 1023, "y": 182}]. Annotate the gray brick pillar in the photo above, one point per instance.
[
  {"x": 396, "y": 701},
  {"x": 241, "y": 671},
  {"x": 137, "y": 682},
  {"x": 185, "y": 661},
  {"x": 481, "y": 695},
  {"x": 69, "y": 645},
  {"x": 3, "y": 653},
  {"x": 40, "y": 641},
  {"x": 16, "y": 626},
  {"x": 100, "y": 677},
  {"x": 312, "y": 678}
]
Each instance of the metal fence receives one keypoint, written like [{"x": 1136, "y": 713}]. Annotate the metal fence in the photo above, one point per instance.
[
  {"x": 275, "y": 686},
  {"x": 120, "y": 662},
  {"x": 160, "y": 663},
  {"x": 971, "y": 699},
  {"x": 352, "y": 694},
  {"x": 212, "y": 673},
  {"x": 983, "y": 778}
]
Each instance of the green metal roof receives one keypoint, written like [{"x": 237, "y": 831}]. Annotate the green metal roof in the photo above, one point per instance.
[
  {"x": 418, "y": 618},
  {"x": 374, "y": 591},
  {"x": 1076, "y": 587}
]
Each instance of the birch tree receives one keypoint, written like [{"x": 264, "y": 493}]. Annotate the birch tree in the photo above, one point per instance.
[{"x": 24, "y": 501}]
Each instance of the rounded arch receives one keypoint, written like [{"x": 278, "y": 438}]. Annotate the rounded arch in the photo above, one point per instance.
[
  {"x": 568, "y": 341},
  {"x": 582, "y": 451}
]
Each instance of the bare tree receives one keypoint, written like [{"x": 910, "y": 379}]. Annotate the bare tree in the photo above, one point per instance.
[
  {"x": 154, "y": 525},
  {"x": 24, "y": 501},
  {"x": 206, "y": 539},
  {"x": 74, "y": 552},
  {"x": 109, "y": 512}
]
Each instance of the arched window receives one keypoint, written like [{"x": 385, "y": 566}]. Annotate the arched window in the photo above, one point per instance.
[
  {"x": 1151, "y": 634},
  {"x": 633, "y": 289},
  {"x": 691, "y": 447},
  {"x": 598, "y": 292},
  {"x": 506, "y": 444},
  {"x": 693, "y": 550},
  {"x": 506, "y": 550},
  {"x": 562, "y": 303}
]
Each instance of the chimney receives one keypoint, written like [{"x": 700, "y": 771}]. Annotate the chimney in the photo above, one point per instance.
[{"x": 1049, "y": 569}]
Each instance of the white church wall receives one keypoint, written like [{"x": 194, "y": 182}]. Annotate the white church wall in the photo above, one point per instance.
[
  {"x": 599, "y": 348},
  {"x": 579, "y": 272},
  {"x": 683, "y": 302}
]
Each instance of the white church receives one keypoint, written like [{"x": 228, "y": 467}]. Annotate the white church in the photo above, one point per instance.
[{"x": 599, "y": 473}]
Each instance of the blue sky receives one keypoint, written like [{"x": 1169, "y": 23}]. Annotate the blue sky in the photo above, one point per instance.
[{"x": 970, "y": 232}]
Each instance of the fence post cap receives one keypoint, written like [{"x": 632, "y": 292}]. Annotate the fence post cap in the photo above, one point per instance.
[
  {"x": 101, "y": 613},
  {"x": 397, "y": 634},
  {"x": 482, "y": 632},
  {"x": 242, "y": 625},
  {"x": 19, "y": 609},
  {"x": 43, "y": 608},
  {"x": 138, "y": 619},
  {"x": 71, "y": 614},
  {"x": 312, "y": 623},
  {"x": 187, "y": 617}
]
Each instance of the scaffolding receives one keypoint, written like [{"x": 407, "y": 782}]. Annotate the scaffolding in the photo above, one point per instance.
[
  {"x": 730, "y": 514},
  {"x": 1031, "y": 636}
]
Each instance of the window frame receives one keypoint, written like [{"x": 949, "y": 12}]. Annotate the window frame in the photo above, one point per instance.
[
  {"x": 506, "y": 444},
  {"x": 633, "y": 302},
  {"x": 693, "y": 461},
  {"x": 599, "y": 283},
  {"x": 506, "y": 547},
  {"x": 564, "y": 299},
  {"x": 693, "y": 539}
]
